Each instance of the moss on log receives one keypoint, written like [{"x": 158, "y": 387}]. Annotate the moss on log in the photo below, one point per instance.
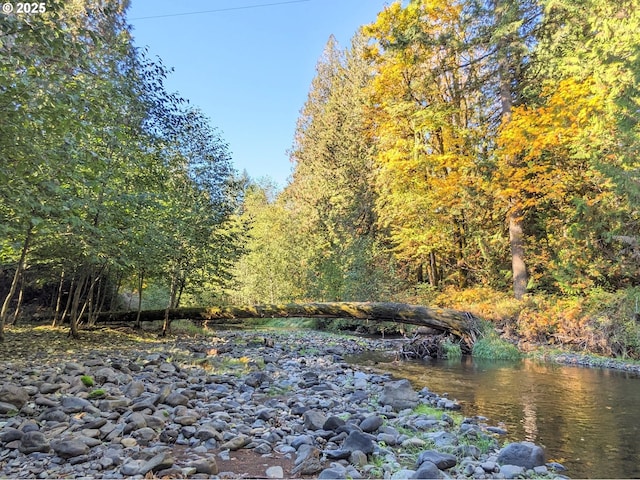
[{"x": 461, "y": 324}]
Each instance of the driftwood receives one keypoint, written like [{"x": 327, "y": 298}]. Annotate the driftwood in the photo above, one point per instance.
[{"x": 461, "y": 324}]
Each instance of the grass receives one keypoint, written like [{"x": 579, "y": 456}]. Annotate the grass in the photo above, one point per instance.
[
  {"x": 492, "y": 347},
  {"x": 97, "y": 393},
  {"x": 452, "y": 349},
  {"x": 437, "y": 413}
]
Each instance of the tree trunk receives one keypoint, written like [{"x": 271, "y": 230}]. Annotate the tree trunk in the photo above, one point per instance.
[
  {"x": 58, "y": 300},
  {"x": 74, "y": 317},
  {"x": 14, "y": 284},
  {"x": 19, "y": 303},
  {"x": 514, "y": 216},
  {"x": 516, "y": 242},
  {"x": 462, "y": 324},
  {"x": 140, "y": 283},
  {"x": 433, "y": 269},
  {"x": 166, "y": 326}
]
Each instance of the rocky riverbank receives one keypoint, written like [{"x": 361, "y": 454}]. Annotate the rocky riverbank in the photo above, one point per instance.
[{"x": 237, "y": 404}]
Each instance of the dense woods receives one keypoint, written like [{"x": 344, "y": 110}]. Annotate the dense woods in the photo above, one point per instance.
[
  {"x": 456, "y": 153},
  {"x": 107, "y": 181}
]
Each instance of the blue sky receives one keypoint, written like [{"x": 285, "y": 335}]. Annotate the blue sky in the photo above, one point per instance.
[{"x": 248, "y": 69}]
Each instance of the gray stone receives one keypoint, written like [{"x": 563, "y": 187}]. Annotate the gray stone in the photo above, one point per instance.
[
  {"x": 7, "y": 408},
  {"x": 34, "y": 441},
  {"x": 399, "y": 395},
  {"x": 490, "y": 467},
  {"x": 308, "y": 463},
  {"x": 524, "y": 454},
  {"x": 387, "y": 438},
  {"x": 442, "y": 439},
  {"x": 207, "y": 432},
  {"x": 333, "y": 423},
  {"x": 206, "y": 466},
  {"x": 135, "y": 421},
  {"x": 371, "y": 423},
  {"x": 144, "y": 435},
  {"x": 236, "y": 443},
  {"x": 114, "y": 404},
  {"x": 105, "y": 375},
  {"x": 332, "y": 474},
  {"x": 511, "y": 471},
  {"x": 427, "y": 471},
  {"x": 75, "y": 404},
  {"x": 359, "y": 441},
  {"x": 46, "y": 388},
  {"x": 275, "y": 472},
  {"x": 440, "y": 460},
  {"x": 158, "y": 462},
  {"x": 402, "y": 474},
  {"x": 339, "y": 454},
  {"x": 69, "y": 448},
  {"x": 358, "y": 458},
  {"x": 54, "y": 415},
  {"x": 186, "y": 419},
  {"x": 314, "y": 419},
  {"x": 9, "y": 434},
  {"x": 14, "y": 395},
  {"x": 131, "y": 467},
  {"x": 135, "y": 389},
  {"x": 176, "y": 398},
  {"x": 255, "y": 379}
]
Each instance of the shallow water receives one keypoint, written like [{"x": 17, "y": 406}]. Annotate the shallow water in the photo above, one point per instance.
[{"x": 588, "y": 419}]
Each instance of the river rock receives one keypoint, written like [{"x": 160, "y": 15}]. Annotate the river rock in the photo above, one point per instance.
[
  {"x": 275, "y": 472},
  {"x": 14, "y": 395},
  {"x": 236, "y": 443},
  {"x": 69, "y": 448},
  {"x": 511, "y": 471},
  {"x": 47, "y": 388},
  {"x": 8, "y": 434},
  {"x": 439, "y": 459},
  {"x": 7, "y": 408},
  {"x": 371, "y": 423},
  {"x": 332, "y": 474},
  {"x": 75, "y": 404},
  {"x": 333, "y": 423},
  {"x": 399, "y": 395},
  {"x": 135, "y": 389},
  {"x": 427, "y": 470},
  {"x": 314, "y": 419},
  {"x": 524, "y": 454},
  {"x": 34, "y": 441},
  {"x": 206, "y": 466},
  {"x": 176, "y": 398},
  {"x": 359, "y": 441}
]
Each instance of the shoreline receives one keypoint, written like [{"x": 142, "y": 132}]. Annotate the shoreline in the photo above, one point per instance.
[{"x": 256, "y": 404}]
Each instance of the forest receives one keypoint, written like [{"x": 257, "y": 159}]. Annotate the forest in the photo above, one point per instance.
[{"x": 469, "y": 154}]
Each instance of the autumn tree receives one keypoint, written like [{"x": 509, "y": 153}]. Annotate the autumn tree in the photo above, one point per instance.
[{"x": 430, "y": 123}]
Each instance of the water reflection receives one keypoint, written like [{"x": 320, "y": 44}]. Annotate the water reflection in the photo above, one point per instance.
[{"x": 587, "y": 419}]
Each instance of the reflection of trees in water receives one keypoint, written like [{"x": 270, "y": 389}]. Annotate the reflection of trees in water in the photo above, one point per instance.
[
  {"x": 529, "y": 421},
  {"x": 585, "y": 418}
]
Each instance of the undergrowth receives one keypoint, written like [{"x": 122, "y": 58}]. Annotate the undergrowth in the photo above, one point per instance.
[{"x": 595, "y": 321}]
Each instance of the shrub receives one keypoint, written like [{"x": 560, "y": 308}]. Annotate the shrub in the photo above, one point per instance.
[{"x": 491, "y": 346}]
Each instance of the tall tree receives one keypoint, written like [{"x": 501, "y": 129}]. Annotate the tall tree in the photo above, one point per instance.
[{"x": 429, "y": 116}]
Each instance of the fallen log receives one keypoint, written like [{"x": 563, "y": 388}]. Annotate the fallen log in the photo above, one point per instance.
[{"x": 461, "y": 324}]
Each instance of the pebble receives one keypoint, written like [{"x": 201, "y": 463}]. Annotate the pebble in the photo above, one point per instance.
[{"x": 172, "y": 410}]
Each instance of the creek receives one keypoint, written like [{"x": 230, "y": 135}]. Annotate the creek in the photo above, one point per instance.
[{"x": 588, "y": 419}]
